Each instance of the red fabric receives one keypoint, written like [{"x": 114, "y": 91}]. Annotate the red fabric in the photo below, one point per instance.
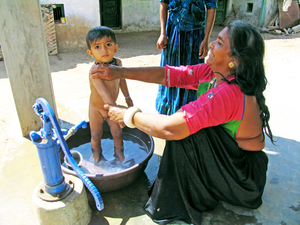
[
  {"x": 217, "y": 106},
  {"x": 181, "y": 77}
]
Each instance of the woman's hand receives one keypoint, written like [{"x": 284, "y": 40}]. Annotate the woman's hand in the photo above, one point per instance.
[
  {"x": 104, "y": 71},
  {"x": 203, "y": 49},
  {"x": 116, "y": 113},
  {"x": 162, "y": 41}
]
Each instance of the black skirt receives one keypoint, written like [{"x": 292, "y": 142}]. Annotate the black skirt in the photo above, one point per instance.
[{"x": 199, "y": 171}]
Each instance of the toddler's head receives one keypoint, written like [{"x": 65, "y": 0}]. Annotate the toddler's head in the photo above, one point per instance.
[
  {"x": 98, "y": 33},
  {"x": 101, "y": 42}
]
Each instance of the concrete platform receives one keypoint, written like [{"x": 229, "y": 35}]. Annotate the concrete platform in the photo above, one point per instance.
[{"x": 20, "y": 170}]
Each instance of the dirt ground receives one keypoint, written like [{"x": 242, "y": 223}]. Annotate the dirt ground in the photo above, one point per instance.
[{"x": 70, "y": 75}]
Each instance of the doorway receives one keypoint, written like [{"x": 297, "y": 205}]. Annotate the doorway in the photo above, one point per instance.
[
  {"x": 221, "y": 12},
  {"x": 110, "y": 13}
]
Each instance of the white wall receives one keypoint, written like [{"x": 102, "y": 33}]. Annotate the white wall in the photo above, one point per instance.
[
  {"x": 140, "y": 15},
  {"x": 240, "y": 6},
  {"x": 137, "y": 15},
  {"x": 82, "y": 15},
  {"x": 87, "y": 10}
]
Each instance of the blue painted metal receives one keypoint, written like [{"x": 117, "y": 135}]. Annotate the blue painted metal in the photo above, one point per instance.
[
  {"x": 74, "y": 129},
  {"x": 49, "y": 160},
  {"x": 52, "y": 173}
]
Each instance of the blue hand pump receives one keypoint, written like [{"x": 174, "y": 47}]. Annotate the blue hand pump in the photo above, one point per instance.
[{"x": 46, "y": 141}]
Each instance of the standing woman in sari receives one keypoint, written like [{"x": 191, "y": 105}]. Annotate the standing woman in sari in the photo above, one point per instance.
[{"x": 184, "y": 39}]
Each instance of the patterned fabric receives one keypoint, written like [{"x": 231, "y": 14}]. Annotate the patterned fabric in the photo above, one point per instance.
[
  {"x": 185, "y": 31},
  {"x": 205, "y": 111}
]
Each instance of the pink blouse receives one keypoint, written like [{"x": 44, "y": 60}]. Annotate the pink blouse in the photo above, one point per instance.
[{"x": 220, "y": 105}]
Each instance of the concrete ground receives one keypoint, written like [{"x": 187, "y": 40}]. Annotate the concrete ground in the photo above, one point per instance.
[{"x": 20, "y": 170}]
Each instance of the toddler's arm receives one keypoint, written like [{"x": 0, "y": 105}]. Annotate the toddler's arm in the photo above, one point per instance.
[
  {"x": 102, "y": 90},
  {"x": 124, "y": 89}
]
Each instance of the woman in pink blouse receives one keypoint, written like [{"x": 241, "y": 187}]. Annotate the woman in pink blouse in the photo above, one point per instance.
[{"x": 214, "y": 144}]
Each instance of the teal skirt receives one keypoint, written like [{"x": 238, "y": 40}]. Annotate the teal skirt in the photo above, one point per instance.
[{"x": 182, "y": 49}]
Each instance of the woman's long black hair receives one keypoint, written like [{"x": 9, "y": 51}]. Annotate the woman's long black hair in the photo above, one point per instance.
[{"x": 248, "y": 49}]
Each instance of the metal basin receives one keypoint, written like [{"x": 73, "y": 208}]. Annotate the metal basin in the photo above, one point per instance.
[{"x": 111, "y": 173}]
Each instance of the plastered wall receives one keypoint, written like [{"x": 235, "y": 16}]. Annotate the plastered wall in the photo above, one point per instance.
[
  {"x": 240, "y": 6},
  {"x": 82, "y": 15},
  {"x": 137, "y": 15},
  {"x": 140, "y": 15}
]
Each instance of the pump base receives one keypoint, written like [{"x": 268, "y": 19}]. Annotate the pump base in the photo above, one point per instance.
[{"x": 72, "y": 210}]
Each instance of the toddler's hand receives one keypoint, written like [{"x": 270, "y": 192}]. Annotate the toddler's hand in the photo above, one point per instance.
[
  {"x": 122, "y": 124},
  {"x": 116, "y": 113},
  {"x": 129, "y": 101}
]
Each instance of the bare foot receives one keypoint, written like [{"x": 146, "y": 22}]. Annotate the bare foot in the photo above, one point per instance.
[
  {"x": 97, "y": 154},
  {"x": 119, "y": 151}
]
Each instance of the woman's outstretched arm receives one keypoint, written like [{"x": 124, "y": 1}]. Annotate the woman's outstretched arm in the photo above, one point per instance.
[
  {"x": 161, "y": 126},
  {"x": 146, "y": 74}
]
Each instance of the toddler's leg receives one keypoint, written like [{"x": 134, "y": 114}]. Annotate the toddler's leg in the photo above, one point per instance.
[
  {"x": 119, "y": 151},
  {"x": 96, "y": 126},
  {"x": 116, "y": 132}
]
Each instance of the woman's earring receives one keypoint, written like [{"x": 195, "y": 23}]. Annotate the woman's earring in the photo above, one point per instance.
[{"x": 231, "y": 64}]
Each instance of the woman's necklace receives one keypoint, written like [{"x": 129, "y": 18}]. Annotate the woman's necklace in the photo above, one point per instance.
[
  {"x": 113, "y": 61},
  {"x": 212, "y": 83}
]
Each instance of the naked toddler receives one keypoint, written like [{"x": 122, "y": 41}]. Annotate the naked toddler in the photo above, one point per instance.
[{"x": 101, "y": 42}]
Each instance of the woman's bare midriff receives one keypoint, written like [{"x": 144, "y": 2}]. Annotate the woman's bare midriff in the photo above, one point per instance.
[
  {"x": 250, "y": 136},
  {"x": 252, "y": 144}
]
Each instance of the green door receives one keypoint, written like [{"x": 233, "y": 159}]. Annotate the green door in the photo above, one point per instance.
[
  {"x": 110, "y": 13},
  {"x": 221, "y": 12}
]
